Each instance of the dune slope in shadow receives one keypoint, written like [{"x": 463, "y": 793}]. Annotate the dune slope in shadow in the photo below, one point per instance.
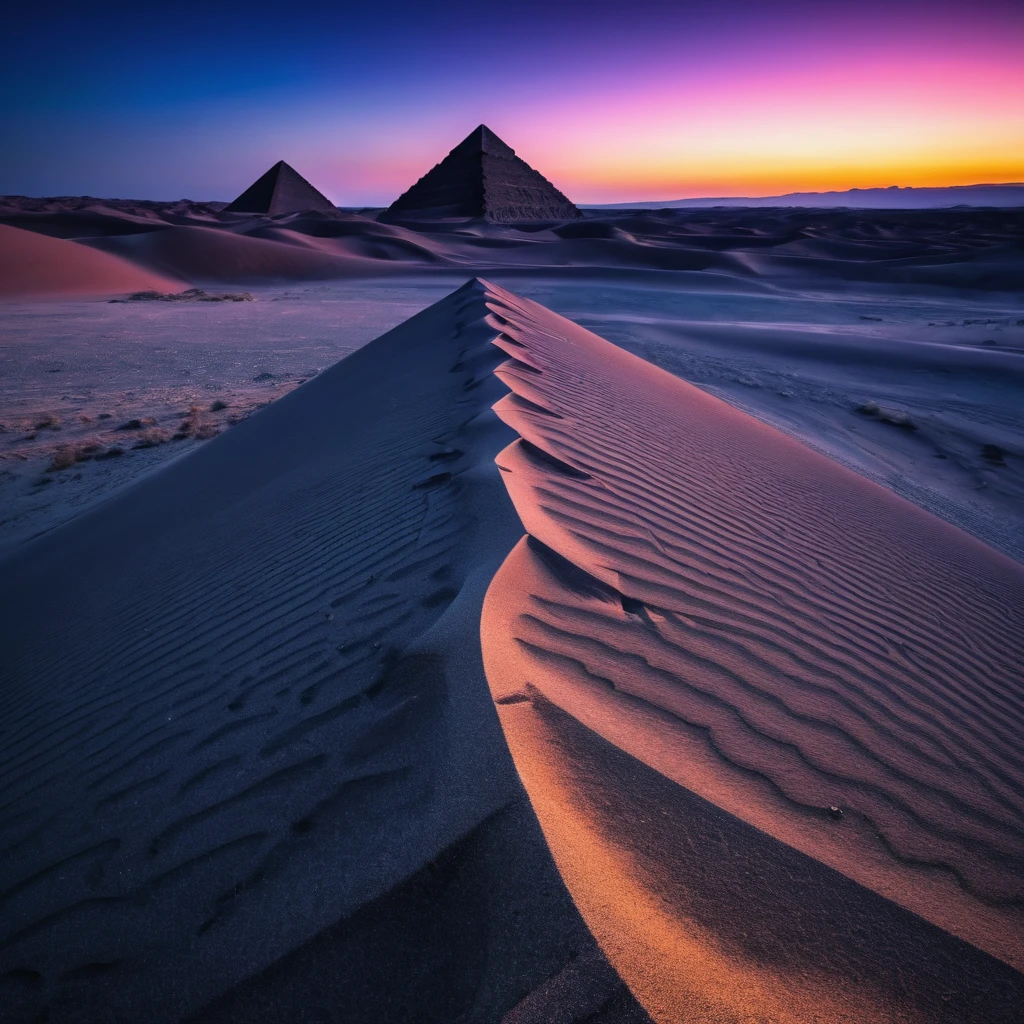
[
  {"x": 244, "y": 701},
  {"x": 801, "y": 648}
]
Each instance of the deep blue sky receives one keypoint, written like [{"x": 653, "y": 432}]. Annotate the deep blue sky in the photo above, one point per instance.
[{"x": 611, "y": 100}]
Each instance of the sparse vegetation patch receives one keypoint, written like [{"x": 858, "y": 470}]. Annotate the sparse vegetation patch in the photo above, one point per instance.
[
  {"x": 189, "y": 295},
  {"x": 196, "y": 424}
]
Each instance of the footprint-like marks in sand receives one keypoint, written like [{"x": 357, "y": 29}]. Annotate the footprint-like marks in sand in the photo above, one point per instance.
[{"x": 243, "y": 709}]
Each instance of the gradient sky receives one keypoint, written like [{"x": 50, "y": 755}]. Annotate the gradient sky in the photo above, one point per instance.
[{"x": 611, "y": 101}]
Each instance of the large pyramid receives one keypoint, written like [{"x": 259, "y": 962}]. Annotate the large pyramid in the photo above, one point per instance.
[
  {"x": 482, "y": 177},
  {"x": 281, "y": 190}
]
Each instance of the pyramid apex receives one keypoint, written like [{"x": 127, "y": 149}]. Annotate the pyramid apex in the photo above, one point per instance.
[{"x": 482, "y": 140}]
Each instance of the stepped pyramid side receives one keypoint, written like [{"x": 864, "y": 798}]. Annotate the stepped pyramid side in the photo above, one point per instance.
[
  {"x": 281, "y": 190},
  {"x": 483, "y": 177}
]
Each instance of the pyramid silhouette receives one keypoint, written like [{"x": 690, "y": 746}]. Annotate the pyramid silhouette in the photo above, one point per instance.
[
  {"x": 482, "y": 177},
  {"x": 281, "y": 190}
]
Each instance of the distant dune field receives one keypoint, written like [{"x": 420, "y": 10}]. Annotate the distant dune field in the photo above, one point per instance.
[{"x": 197, "y": 243}]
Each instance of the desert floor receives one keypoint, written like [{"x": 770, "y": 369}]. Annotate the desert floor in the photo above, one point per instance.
[{"x": 946, "y": 372}]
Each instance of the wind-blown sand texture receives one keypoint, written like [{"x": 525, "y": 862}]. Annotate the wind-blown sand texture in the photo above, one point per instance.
[
  {"x": 764, "y": 628},
  {"x": 264, "y": 708},
  {"x": 256, "y": 774}
]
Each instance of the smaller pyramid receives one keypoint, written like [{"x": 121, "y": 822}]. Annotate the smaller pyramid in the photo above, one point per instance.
[
  {"x": 482, "y": 177},
  {"x": 281, "y": 190}
]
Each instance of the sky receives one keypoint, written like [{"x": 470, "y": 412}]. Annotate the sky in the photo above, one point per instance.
[{"x": 611, "y": 101}]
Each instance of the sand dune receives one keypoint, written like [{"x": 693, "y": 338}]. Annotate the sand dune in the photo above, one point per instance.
[
  {"x": 369, "y": 246},
  {"x": 801, "y": 648},
  {"x": 256, "y": 773},
  {"x": 208, "y": 254},
  {"x": 36, "y": 265},
  {"x": 87, "y": 217},
  {"x": 264, "y": 709}
]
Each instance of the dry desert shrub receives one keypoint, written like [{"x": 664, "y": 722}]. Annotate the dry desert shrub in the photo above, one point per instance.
[
  {"x": 197, "y": 425},
  {"x": 68, "y": 455},
  {"x": 895, "y": 417},
  {"x": 64, "y": 458},
  {"x": 993, "y": 454},
  {"x": 151, "y": 438},
  {"x": 188, "y": 295}
]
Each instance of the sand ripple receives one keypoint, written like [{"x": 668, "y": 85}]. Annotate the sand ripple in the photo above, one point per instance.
[{"x": 798, "y": 646}]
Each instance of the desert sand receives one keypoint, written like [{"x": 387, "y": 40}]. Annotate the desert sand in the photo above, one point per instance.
[
  {"x": 771, "y": 632},
  {"x": 34, "y": 265},
  {"x": 176, "y": 824},
  {"x": 494, "y": 672},
  {"x": 964, "y": 249}
]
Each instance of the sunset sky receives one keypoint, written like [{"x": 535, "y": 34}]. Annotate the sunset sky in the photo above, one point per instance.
[{"x": 611, "y": 101}]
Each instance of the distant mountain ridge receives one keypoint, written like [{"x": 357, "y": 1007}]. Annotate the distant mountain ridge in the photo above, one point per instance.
[{"x": 894, "y": 197}]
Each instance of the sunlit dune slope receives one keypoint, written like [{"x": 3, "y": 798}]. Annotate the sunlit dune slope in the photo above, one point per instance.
[
  {"x": 209, "y": 254},
  {"x": 800, "y": 647},
  {"x": 35, "y": 266}
]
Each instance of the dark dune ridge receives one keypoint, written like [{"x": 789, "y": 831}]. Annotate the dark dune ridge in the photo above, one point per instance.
[
  {"x": 197, "y": 244},
  {"x": 88, "y": 217},
  {"x": 257, "y": 773}
]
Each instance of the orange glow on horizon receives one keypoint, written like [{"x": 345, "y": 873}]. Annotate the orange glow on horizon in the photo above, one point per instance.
[
  {"x": 709, "y": 181},
  {"x": 925, "y": 123},
  {"x": 908, "y": 119}
]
